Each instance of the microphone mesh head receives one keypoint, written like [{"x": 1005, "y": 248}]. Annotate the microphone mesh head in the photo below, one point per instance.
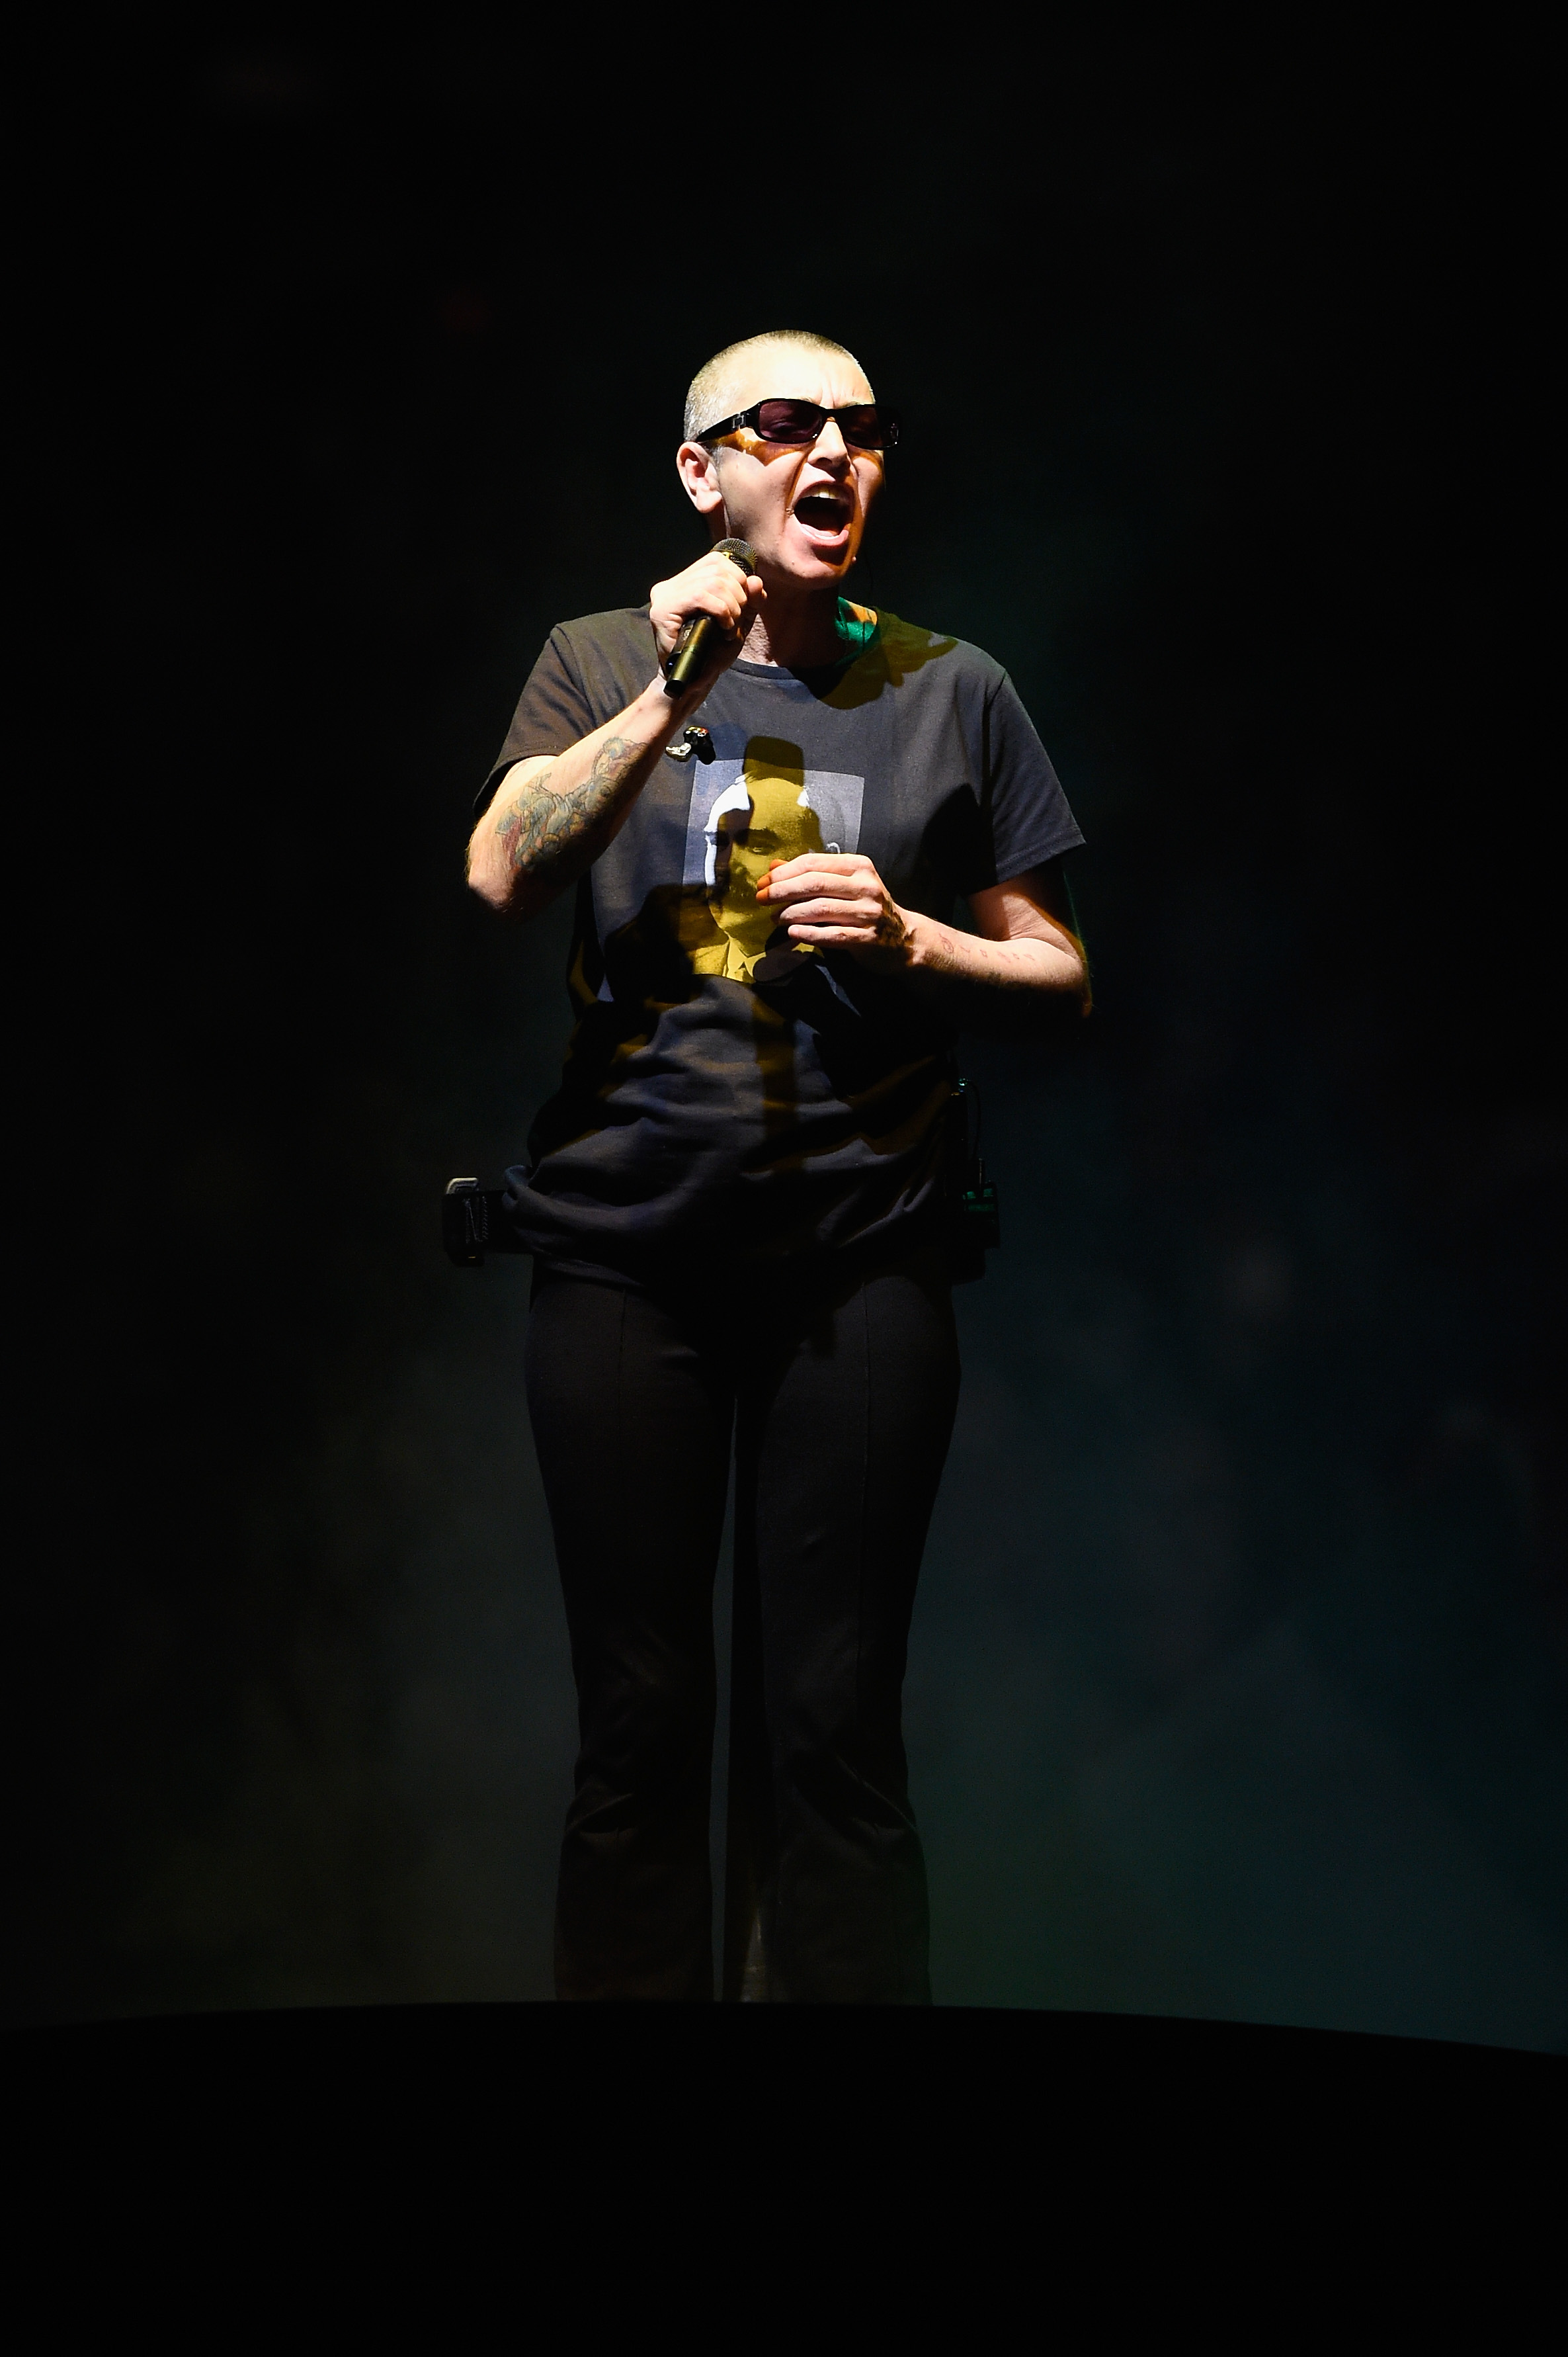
[{"x": 739, "y": 551}]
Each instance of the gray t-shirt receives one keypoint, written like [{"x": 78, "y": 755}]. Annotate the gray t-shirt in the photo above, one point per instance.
[{"x": 728, "y": 1099}]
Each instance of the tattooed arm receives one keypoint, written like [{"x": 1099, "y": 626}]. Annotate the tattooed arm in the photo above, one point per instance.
[{"x": 553, "y": 813}]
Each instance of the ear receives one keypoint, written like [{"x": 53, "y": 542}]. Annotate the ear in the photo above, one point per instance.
[{"x": 697, "y": 466}]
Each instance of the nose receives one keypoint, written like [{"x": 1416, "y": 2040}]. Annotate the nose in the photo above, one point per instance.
[{"x": 830, "y": 443}]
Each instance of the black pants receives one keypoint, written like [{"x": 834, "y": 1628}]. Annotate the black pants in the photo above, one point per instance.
[{"x": 842, "y": 1407}]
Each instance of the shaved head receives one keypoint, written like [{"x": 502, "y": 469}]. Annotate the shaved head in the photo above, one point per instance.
[{"x": 717, "y": 386}]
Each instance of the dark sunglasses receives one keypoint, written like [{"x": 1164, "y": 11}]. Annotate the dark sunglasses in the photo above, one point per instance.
[{"x": 866, "y": 423}]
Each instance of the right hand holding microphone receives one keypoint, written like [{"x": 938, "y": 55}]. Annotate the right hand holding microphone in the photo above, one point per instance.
[{"x": 721, "y": 590}]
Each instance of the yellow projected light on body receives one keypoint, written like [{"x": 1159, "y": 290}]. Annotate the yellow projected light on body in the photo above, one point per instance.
[{"x": 763, "y": 818}]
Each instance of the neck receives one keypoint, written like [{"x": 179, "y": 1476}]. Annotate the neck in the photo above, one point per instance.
[{"x": 797, "y": 633}]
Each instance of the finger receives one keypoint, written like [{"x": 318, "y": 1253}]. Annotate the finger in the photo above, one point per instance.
[
  {"x": 820, "y": 891},
  {"x": 839, "y": 861},
  {"x": 814, "y": 871},
  {"x": 823, "y": 891},
  {"x": 827, "y": 910},
  {"x": 717, "y": 572},
  {"x": 714, "y": 608},
  {"x": 830, "y": 910},
  {"x": 834, "y": 936}
]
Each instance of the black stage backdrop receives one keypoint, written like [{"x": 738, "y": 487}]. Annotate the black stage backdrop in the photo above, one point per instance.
[{"x": 1239, "y": 1665}]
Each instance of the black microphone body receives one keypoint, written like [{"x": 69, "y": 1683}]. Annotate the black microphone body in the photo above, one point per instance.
[{"x": 693, "y": 649}]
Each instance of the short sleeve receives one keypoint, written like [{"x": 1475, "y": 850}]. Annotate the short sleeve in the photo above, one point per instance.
[
  {"x": 553, "y": 714},
  {"x": 1024, "y": 815}
]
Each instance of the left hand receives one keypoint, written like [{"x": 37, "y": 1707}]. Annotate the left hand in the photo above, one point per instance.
[{"x": 836, "y": 899}]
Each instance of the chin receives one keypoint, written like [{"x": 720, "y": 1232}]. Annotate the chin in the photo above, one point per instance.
[{"x": 817, "y": 566}]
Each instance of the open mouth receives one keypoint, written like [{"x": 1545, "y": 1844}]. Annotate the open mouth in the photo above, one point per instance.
[{"x": 826, "y": 510}]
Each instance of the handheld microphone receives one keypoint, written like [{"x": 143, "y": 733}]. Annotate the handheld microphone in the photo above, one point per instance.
[{"x": 693, "y": 649}]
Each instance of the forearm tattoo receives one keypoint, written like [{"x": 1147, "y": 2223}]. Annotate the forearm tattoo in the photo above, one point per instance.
[{"x": 540, "y": 830}]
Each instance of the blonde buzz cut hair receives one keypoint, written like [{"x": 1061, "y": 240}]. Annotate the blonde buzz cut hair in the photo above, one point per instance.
[{"x": 713, "y": 389}]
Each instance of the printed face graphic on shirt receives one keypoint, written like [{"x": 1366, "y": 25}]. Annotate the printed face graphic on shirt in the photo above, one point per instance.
[{"x": 745, "y": 816}]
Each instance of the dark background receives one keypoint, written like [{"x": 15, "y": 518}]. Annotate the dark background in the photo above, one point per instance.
[{"x": 1238, "y": 1669}]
